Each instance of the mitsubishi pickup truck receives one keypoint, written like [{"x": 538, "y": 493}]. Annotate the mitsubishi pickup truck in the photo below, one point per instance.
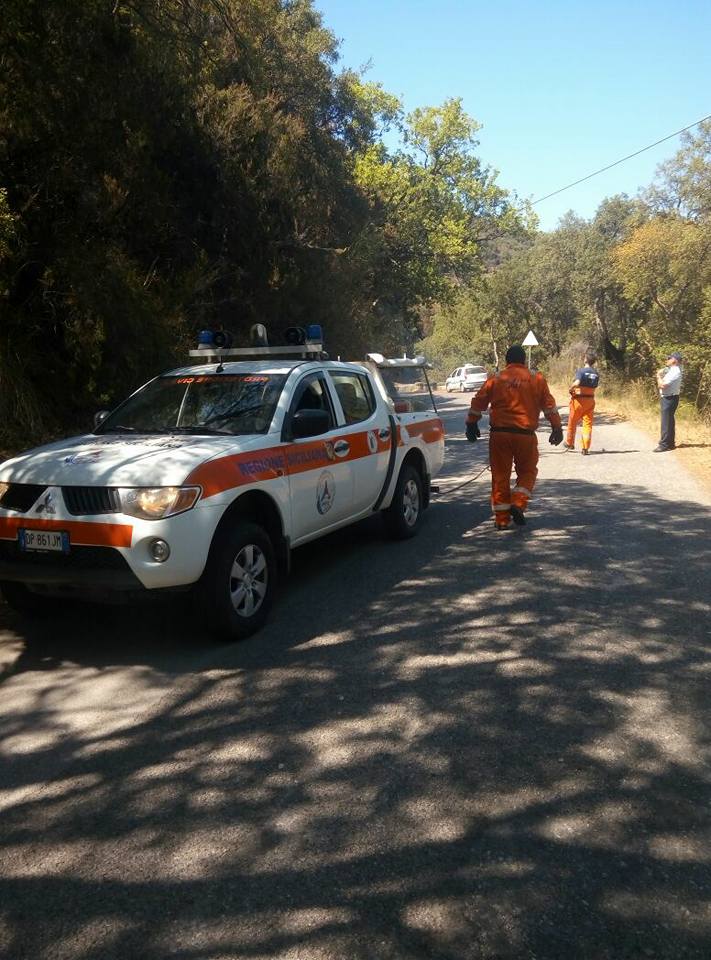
[{"x": 209, "y": 475}]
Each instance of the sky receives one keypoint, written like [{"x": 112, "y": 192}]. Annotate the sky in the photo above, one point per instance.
[{"x": 560, "y": 88}]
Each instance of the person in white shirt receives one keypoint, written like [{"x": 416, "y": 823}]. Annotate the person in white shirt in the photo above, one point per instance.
[{"x": 669, "y": 384}]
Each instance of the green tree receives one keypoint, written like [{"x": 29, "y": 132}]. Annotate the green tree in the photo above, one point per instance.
[
  {"x": 166, "y": 164},
  {"x": 683, "y": 183},
  {"x": 597, "y": 290},
  {"x": 665, "y": 269},
  {"x": 432, "y": 204}
]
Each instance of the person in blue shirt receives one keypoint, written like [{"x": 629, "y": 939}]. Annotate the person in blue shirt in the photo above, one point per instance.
[{"x": 582, "y": 402}]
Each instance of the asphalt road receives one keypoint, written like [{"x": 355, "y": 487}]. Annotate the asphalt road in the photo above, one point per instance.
[{"x": 471, "y": 745}]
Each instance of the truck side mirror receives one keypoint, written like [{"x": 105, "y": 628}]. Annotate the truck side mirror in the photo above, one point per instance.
[{"x": 310, "y": 423}]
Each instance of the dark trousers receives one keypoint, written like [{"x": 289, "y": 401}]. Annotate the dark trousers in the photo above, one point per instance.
[{"x": 668, "y": 407}]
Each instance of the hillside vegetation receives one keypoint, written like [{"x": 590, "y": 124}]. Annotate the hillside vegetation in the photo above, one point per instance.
[{"x": 167, "y": 165}]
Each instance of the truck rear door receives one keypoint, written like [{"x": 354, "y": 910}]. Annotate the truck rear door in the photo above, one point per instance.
[{"x": 366, "y": 430}]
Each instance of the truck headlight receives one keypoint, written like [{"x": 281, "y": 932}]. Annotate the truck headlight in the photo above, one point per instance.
[{"x": 155, "y": 503}]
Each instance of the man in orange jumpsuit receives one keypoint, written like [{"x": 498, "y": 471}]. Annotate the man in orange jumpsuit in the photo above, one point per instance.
[
  {"x": 516, "y": 396},
  {"x": 582, "y": 402}
]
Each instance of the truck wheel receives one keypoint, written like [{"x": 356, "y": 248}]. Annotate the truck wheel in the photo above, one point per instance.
[
  {"x": 32, "y": 605},
  {"x": 237, "y": 587},
  {"x": 404, "y": 514}
]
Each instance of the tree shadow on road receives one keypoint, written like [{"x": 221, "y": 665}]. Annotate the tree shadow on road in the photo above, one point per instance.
[{"x": 496, "y": 748}]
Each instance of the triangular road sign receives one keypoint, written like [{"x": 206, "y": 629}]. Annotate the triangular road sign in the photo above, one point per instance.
[{"x": 530, "y": 340}]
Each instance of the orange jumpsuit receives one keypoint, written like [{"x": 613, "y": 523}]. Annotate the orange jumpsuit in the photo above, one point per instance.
[
  {"x": 582, "y": 407},
  {"x": 516, "y": 397}
]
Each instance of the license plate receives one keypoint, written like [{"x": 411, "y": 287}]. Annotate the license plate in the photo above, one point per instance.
[{"x": 54, "y": 541}]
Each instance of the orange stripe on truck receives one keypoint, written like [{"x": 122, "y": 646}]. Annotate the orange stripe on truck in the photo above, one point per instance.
[
  {"x": 429, "y": 430},
  {"x": 239, "y": 469},
  {"x": 80, "y": 532},
  {"x": 214, "y": 476}
]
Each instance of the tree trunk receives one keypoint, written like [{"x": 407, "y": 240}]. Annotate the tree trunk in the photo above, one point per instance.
[
  {"x": 612, "y": 354},
  {"x": 494, "y": 346}
]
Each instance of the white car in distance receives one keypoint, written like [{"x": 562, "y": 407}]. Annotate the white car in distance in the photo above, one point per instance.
[{"x": 467, "y": 377}]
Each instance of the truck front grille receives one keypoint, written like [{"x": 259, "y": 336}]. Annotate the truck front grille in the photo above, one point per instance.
[
  {"x": 88, "y": 501},
  {"x": 21, "y": 496}
]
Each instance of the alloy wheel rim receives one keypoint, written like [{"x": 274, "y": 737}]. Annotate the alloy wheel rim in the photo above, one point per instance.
[
  {"x": 248, "y": 580},
  {"x": 411, "y": 503}
]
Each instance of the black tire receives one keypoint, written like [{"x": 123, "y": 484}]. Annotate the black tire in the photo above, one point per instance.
[
  {"x": 462, "y": 388},
  {"x": 234, "y": 606},
  {"x": 32, "y": 605},
  {"x": 404, "y": 515}
]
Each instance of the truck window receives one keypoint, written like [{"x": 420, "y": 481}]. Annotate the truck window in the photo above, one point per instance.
[
  {"x": 409, "y": 389},
  {"x": 311, "y": 394},
  {"x": 355, "y": 395}
]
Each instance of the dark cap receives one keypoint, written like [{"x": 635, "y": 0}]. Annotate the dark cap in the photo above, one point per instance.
[
  {"x": 674, "y": 356},
  {"x": 516, "y": 354}
]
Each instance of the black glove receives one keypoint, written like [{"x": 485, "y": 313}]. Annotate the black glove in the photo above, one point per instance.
[
  {"x": 473, "y": 432},
  {"x": 556, "y": 436}
]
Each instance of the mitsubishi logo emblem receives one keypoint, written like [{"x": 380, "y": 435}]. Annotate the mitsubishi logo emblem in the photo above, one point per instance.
[{"x": 47, "y": 505}]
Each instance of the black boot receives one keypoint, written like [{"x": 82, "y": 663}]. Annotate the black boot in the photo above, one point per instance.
[{"x": 518, "y": 517}]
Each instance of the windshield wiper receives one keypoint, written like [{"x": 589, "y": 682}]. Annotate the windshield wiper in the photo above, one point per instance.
[{"x": 199, "y": 430}]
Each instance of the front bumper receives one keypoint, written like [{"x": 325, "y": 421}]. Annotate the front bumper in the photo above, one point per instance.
[
  {"x": 111, "y": 556},
  {"x": 88, "y": 568}
]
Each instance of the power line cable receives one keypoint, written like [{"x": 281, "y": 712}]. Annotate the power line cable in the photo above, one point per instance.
[{"x": 617, "y": 162}]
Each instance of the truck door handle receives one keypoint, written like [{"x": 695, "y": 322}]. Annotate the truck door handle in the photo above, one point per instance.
[
  {"x": 384, "y": 433},
  {"x": 341, "y": 448}
]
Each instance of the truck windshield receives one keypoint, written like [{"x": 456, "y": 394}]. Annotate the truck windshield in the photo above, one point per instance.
[{"x": 223, "y": 403}]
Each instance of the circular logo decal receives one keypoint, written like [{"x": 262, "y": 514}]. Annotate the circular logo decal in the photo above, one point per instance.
[
  {"x": 372, "y": 442},
  {"x": 325, "y": 492}
]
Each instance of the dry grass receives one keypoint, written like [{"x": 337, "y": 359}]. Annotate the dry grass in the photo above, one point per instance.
[{"x": 633, "y": 403}]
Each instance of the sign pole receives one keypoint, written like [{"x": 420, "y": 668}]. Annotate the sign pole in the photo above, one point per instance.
[{"x": 529, "y": 342}]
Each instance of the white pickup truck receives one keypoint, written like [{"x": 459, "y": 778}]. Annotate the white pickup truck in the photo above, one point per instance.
[{"x": 207, "y": 476}]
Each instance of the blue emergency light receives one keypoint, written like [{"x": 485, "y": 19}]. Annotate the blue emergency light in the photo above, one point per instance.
[{"x": 314, "y": 333}]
